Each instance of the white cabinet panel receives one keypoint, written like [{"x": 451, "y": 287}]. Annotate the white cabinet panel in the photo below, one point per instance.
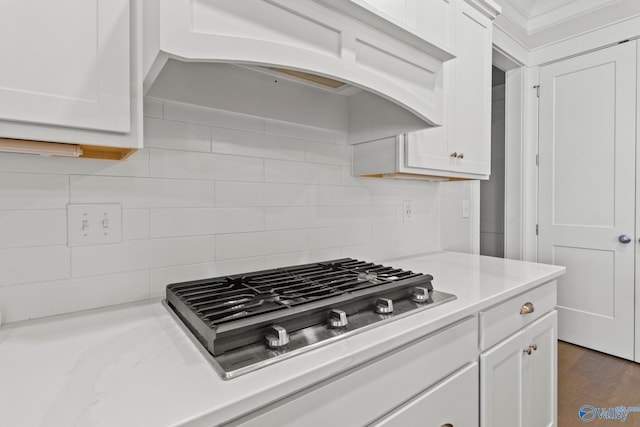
[
  {"x": 66, "y": 63},
  {"x": 518, "y": 378},
  {"x": 452, "y": 402},
  {"x": 461, "y": 147},
  {"x": 387, "y": 382},
  {"x": 463, "y": 144}
]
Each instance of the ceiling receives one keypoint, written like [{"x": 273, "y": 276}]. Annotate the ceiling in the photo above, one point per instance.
[{"x": 537, "y": 23}]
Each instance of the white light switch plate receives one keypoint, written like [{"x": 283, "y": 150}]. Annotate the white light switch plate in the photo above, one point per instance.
[
  {"x": 94, "y": 224},
  {"x": 465, "y": 209}
]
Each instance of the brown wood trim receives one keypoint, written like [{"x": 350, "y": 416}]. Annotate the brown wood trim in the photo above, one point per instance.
[
  {"x": 416, "y": 177},
  {"x": 105, "y": 153},
  {"x": 85, "y": 151}
]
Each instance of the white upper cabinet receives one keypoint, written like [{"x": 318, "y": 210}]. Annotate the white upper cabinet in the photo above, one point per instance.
[
  {"x": 461, "y": 148},
  {"x": 68, "y": 70},
  {"x": 388, "y": 74}
]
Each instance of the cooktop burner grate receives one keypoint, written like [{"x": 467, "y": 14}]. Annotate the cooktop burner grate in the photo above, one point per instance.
[
  {"x": 231, "y": 298},
  {"x": 234, "y": 317}
]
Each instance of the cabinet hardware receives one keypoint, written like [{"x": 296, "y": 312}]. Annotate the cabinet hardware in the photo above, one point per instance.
[
  {"x": 534, "y": 346},
  {"x": 454, "y": 154},
  {"x": 461, "y": 156},
  {"x": 527, "y": 308},
  {"x": 447, "y": 425},
  {"x": 528, "y": 350},
  {"x": 624, "y": 239}
]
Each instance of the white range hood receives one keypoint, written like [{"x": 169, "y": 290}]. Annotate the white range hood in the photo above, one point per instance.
[{"x": 329, "y": 63}]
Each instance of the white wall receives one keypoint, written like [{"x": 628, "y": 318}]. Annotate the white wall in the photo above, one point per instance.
[
  {"x": 212, "y": 193},
  {"x": 492, "y": 192}
]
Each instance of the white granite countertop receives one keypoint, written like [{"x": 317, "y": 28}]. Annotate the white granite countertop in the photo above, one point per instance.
[{"x": 133, "y": 365}]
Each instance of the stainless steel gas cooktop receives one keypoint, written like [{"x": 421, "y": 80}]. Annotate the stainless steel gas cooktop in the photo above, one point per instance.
[{"x": 247, "y": 321}]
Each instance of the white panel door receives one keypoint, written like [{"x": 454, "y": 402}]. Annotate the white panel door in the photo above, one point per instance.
[
  {"x": 65, "y": 63},
  {"x": 587, "y": 192}
]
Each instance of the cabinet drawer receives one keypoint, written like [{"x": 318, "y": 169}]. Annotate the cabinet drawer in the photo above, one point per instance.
[
  {"x": 455, "y": 401},
  {"x": 362, "y": 395},
  {"x": 501, "y": 320}
]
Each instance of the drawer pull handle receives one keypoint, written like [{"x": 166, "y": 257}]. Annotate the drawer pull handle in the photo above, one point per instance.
[
  {"x": 527, "y": 308},
  {"x": 527, "y": 350},
  {"x": 447, "y": 425}
]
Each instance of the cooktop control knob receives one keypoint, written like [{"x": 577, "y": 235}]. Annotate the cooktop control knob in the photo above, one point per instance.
[
  {"x": 420, "y": 294},
  {"x": 277, "y": 337},
  {"x": 384, "y": 306},
  {"x": 338, "y": 319}
]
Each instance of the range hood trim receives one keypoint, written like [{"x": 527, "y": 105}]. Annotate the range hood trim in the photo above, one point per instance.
[{"x": 416, "y": 87}]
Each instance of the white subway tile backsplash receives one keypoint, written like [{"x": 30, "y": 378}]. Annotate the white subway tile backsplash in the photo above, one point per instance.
[
  {"x": 371, "y": 252},
  {"x": 33, "y": 191},
  {"x": 335, "y": 195},
  {"x": 41, "y": 299},
  {"x": 199, "y": 221},
  {"x": 212, "y": 117},
  {"x": 141, "y": 254},
  {"x": 33, "y": 228},
  {"x": 275, "y": 127},
  {"x": 104, "y": 259},
  {"x": 141, "y": 192},
  {"x": 181, "y": 250},
  {"x": 300, "y": 173},
  {"x": 135, "y": 224},
  {"x": 212, "y": 193},
  {"x": 339, "y": 236},
  {"x": 33, "y": 264},
  {"x": 176, "y": 135},
  {"x": 288, "y": 217},
  {"x": 189, "y": 165},
  {"x": 252, "y": 144},
  {"x": 305, "y": 257},
  {"x": 229, "y": 246},
  {"x": 230, "y": 193},
  {"x": 161, "y": 277},
  {"x": 326, "y": 153}
]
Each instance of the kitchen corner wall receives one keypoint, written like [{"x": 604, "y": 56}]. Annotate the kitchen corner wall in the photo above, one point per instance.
[{"x": 212, "y": 193}]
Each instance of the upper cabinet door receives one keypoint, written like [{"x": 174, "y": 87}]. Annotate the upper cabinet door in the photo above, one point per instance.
[
  {"x": 66, "y": 63},
  {"x": 472, "y": 117}
]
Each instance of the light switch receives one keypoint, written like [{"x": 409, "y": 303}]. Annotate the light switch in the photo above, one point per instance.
[
  {"x": 94, "y": 224},
  {"x": 465, "y": 209}
]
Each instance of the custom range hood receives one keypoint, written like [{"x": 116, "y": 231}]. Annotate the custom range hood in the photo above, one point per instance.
[{"x": 336, "y": 64}]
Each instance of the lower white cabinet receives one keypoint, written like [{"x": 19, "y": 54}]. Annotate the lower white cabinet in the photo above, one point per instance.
[
  {"x": 518, "y": 378},
  {"x": 452, "y": 403},
  {"x": 364, "y": 394}
]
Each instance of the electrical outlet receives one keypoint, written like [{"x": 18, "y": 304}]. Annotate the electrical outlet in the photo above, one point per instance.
[
  {"x": 407, "y": 211},
  {"x": 94, "y": 224}
]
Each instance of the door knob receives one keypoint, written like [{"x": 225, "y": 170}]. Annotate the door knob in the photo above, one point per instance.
[{"x": 624, "y": 239}]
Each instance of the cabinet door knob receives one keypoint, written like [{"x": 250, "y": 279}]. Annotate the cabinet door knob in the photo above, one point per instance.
[
  {"x": 461, "y": 156},
  {"x": 624, "y": 239},
  {"x": 454, "y": 154},
  {"x": 534, "y": 346},
  {"x": 528, "y": 350},
  {"x": 527, "y": 308}
]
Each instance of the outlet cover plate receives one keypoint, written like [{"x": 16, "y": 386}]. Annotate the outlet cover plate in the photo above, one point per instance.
[{"x": 94, "y": 224}]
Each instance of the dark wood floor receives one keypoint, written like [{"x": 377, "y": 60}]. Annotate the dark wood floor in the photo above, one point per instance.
[{"x": 587, "y": 377}]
